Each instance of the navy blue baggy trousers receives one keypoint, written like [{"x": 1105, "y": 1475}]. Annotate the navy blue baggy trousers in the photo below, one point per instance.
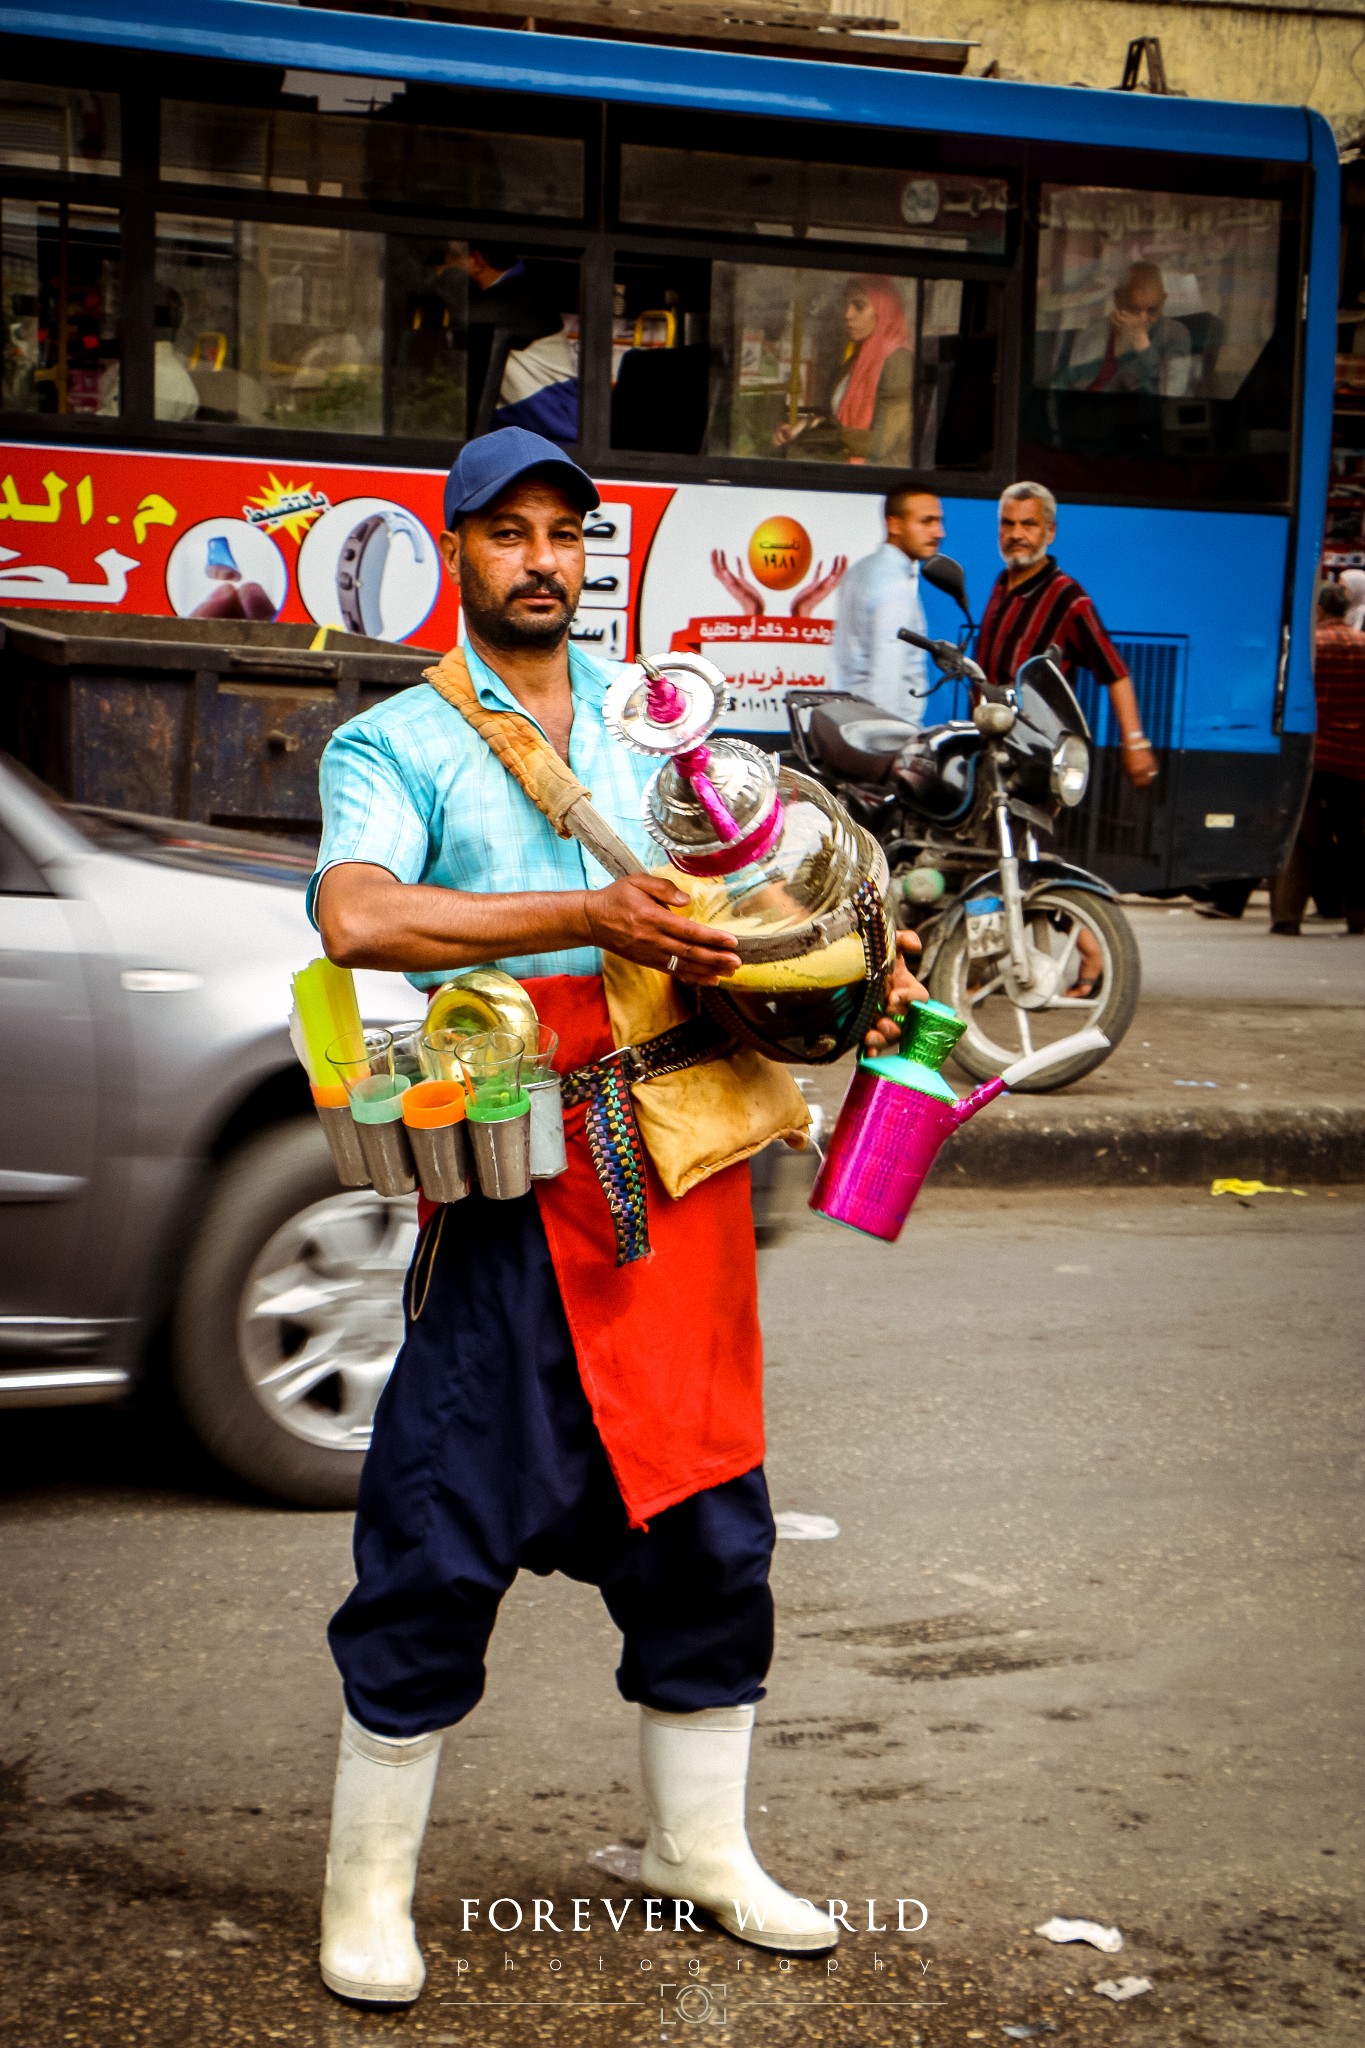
[{"x": 485, "y": 1459}]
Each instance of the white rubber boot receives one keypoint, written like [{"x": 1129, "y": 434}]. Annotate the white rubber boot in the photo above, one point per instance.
[
  {"x": 379, "y": 1816},
  {"x": 695, "y": 1768}
]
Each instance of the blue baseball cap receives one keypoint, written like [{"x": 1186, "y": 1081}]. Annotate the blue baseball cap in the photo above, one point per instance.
[{"x": 485, "y": 467}]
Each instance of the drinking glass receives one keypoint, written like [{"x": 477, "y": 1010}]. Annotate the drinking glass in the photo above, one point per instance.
[{"x": 491, "y": 1061}]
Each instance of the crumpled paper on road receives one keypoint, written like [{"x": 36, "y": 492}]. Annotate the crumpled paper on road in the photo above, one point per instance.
[
  {"x": 1124, "y": 1988},
  {"x": 799, "y": 1528},
  {"x": 1243, "y": 1188},
  {"x": 1107, "y": 1939}
]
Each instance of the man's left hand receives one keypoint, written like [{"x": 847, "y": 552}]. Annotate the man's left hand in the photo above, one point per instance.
[
  {"x": 904, "y": 990},
  {"x": 1140, "y": 766}
]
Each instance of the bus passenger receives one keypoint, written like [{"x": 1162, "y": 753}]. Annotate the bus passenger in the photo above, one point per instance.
[
  {"x": 1133, "y": 346},
  {"x": 878, "y": 596},
  {"x": 871, "y": 408},
  {"x": 523, "y": 363}
]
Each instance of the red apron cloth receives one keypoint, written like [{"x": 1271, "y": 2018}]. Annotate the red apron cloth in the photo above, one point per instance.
[{"x": 669, "y": 1349}]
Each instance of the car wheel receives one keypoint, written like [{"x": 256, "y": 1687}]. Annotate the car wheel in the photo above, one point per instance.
[{"x": 289, "y": 1316}]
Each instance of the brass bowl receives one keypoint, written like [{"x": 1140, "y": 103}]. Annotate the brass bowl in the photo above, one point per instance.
[{"x": 483, "y": 999}]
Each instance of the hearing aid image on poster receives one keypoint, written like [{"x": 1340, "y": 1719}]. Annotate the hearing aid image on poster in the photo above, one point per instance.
[
  {"x": 225, "y": 569},
  {"x": 369, "y": 566}
]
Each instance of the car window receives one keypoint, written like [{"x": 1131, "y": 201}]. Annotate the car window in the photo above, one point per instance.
[{"x": 19, "y": 876}]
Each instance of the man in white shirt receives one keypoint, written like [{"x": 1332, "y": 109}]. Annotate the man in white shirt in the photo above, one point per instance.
[{"x": 879, "y": 595}]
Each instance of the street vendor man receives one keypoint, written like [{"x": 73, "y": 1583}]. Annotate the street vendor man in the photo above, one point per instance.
[{"x": 551, "y": 1408}]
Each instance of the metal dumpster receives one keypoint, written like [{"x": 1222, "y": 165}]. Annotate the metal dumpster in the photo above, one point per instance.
[{"x": 222, "y": 721}]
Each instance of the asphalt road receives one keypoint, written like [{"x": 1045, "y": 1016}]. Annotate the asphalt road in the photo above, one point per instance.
[{"x": 1087, "y": 1644}]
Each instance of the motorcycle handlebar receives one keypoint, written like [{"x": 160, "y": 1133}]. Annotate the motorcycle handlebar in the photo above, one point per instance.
[{"x": 949, "y": 659}]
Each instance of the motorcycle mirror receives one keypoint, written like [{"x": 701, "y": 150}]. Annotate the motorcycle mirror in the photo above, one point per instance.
[{"x": 947, "y": 575}]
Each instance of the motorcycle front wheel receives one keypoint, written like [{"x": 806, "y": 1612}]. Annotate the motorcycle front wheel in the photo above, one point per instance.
[{"x": 1071, "y": 932}]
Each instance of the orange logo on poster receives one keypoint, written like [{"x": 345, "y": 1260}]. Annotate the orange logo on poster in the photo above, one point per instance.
[
  {"x": 779, "y": 553},
  {"x": 289, "y": 508}
]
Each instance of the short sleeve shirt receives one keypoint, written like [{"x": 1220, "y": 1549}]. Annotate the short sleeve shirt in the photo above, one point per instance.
[
  {"x": 409, "y": 786},
  {"x": 1047, "y": 609}
]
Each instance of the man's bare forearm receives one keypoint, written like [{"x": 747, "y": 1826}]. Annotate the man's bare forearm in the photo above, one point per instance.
[
  {"x": 370, "y": 919},
  {"x": 1123, "y": 697}
]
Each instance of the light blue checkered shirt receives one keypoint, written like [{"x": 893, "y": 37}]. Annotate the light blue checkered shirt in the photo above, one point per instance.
[{"x": 411, "y": 787}]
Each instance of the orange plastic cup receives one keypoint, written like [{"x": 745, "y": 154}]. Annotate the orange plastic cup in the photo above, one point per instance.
[
  {"x": 432, "y": 1105},
  {"x": 329, "y": 1095}
]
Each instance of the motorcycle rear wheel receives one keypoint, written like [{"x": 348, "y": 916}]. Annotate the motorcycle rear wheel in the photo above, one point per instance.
[{"x": 1000, "y": 1031}]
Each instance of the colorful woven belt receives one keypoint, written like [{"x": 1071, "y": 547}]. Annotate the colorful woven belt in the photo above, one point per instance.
[{"x": 614, "y": 1142}]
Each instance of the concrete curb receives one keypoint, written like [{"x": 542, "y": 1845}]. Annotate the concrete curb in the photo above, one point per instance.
[{"x": 1026, "y": 1143}]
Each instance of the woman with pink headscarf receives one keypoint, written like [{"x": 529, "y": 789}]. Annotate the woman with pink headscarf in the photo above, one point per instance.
[{"x": 871, "y": 408}]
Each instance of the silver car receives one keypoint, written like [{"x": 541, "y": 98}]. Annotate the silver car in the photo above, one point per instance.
[{"x": 162, "y": 1174}]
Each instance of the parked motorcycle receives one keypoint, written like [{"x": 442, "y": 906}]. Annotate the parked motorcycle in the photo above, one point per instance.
[{"x": 1027, "y": 948}]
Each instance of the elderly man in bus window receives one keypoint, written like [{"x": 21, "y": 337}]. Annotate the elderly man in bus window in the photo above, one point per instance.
[{"x": 1133, "y": 346}]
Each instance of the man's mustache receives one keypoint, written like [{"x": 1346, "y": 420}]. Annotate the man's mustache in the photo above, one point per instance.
[{"x": 539, "y": 586}]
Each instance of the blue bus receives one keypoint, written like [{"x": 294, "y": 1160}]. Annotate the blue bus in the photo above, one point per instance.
[{"x": 264, "y": 267}]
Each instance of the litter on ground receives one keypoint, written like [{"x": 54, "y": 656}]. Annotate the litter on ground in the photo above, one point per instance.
[
  {"x": 228, "y": 1930},
  {"x": 799, "y": 1528},
  {"x": 1107, "y": 1939},
  {"x": 1123, "y": 1988},
  {"x": 618, "y": 1859},
  {"x": 1242, "y": 1188}
]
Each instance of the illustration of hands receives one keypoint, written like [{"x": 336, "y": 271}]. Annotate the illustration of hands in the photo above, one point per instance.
[
  {"x": 813, "y": 596},
  {"x": 749, "y": 600}
]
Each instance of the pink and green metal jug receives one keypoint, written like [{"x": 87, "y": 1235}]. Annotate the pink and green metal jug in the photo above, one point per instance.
[{"x": 897, "y": 1113}]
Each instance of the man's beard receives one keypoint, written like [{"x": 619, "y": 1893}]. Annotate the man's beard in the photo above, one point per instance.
[
  {"x": 493, "y": 619},
  {"x": 1034, "y": 560}
]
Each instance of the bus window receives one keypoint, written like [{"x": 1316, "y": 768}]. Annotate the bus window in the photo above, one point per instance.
[
  {"x": 829, "y": 366},
  {"x": 483, "y": 335},
  {"x": 60, "y": 287},
  {"x": 269, "y": 324},
  {"x": 899, "y": 208},
  {"x": 1156, "y": 340},
  {"x": 660, "y": 356},
  {"x": 373, "y": 149},
  {"x": 56, "y": 128}
]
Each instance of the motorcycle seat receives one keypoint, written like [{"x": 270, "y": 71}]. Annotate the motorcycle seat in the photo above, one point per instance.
[{"x": 854, "y": 738}]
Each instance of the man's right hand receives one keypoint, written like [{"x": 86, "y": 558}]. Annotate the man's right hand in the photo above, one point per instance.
[{"x": 637, "y": 918}]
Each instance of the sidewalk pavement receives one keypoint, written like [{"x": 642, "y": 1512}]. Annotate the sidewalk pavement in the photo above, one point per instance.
[{"x": 1277, "y": 1024}]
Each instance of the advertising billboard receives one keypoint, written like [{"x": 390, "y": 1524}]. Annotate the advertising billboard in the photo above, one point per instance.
[{"x": 747, "y": 577}]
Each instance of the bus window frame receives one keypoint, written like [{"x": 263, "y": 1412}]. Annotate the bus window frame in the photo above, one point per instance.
[
  {"x": 908, "y": 149},
  {"x": 206, "y": 81},
  {"x": 1291, "y": 184},
  {"x": 599, "y": 241},
  {"x": 918, "y": 264}
]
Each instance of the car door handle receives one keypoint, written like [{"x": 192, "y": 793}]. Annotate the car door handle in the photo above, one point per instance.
[{"x": 39, "y": 1187}]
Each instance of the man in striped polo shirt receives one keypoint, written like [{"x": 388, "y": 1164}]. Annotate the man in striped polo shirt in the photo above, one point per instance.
[{"x": 1034, "y": 605}]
